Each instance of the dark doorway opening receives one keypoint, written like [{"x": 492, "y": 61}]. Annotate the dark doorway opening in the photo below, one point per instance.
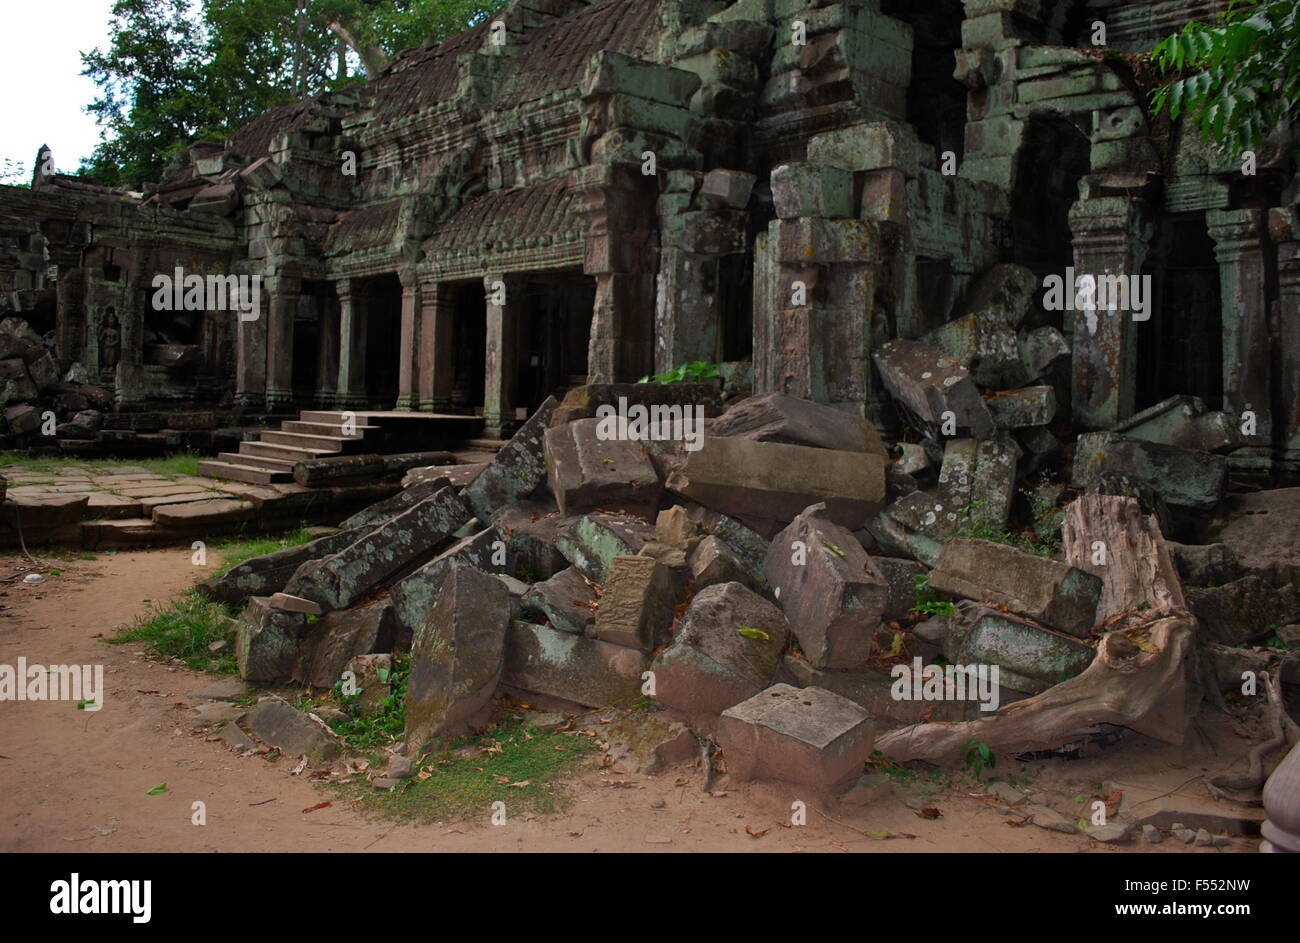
[
  {"x": 554, "y": 332},
  {"x": 936, "y": 102},
  {"x": 469, "y": 340},
  {"x": 736, "y": 308},
  {"x": 383, "y": 329},
  {"x": 1181, "y": 347},
  {"x": 306, "y": 344},
  {"x": 1053, "y": 158}
]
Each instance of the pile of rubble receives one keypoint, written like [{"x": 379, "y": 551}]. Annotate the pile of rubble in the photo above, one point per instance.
[
  {"x": 32, "y": 388},
  {"x": 772, "y": 584}
]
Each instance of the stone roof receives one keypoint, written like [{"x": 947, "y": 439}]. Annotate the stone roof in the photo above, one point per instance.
[
  {"x": 506, "y": 219},
  {"x": 364, "y": 228}
]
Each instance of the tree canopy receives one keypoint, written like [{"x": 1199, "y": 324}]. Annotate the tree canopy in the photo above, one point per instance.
[
  {"x": 177, "y": 71},
  {"x": 1236, "y": 79}
]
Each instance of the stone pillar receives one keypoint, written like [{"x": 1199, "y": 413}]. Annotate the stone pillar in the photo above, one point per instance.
[
  {"x": 250, "y": 356},
  {"x": 437, "y": 352},
  {"x": 1111, "y": 237},
  {"x": 327, "y": 364},
  {"x": 284, "y": 293},
  {"x": 1284, "y": 227},
  {"x": 1247, "y": 348},
  {"x": 620, "y": 350},
  {"x": 351, "y": 391},
  {"x": 129, "y": 376},
  {"x": 501, "y": 368},
  {"x": 408, "y": 358},
  {"x": 686, "y": 309}
]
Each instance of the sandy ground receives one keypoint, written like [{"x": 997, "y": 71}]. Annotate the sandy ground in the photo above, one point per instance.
[{"x": 73, "y": 780}]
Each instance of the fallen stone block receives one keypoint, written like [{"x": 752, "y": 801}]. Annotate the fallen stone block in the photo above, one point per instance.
[
  {"x": 712, "y": 561},
  {"x": 1023, "y": 408},
  {"x": 807, "y": 737},
  {"x": 592, "y": 541},
  {"x": 750, "y": 547},
  {"x": 1042, "y": 589},
  {"x": 266, "y": 641},
  {"x": 1040, "y": 350},
  {"x": 22, "y": 420},
  {"x": 875, "y": 691},
  {"x": 270, "y": 573},
  {"x": 1004, "y": 293},
  {"x": 414, "y": 595},
  {"x": 583, "y": 670},
  {"x": 989, "y": 349},
  {"x": 275, "y": 722},
  {"x": 456, "y": 656},
  {"x": 514, "y": 472},
  {"x": 900, "y": 580},
  {"x": 1195, "y": 480},
  {"x": 1183, "y": 422},
  {"x": 1243, "y": 611},
  {"x": 726, "y": 649},
  {"x": 978, "y": 480},
  {"x": 342, "y": 579},
  {"x": 767, "y": 484},
  {"x": 531, "y": 529},
  {"x": 636, "y": 605},
  {"x": 648, "y": 743},
  {"x": 289, "y": 603},
  {"x": 916, "y": 526},
  {"x": 337, "y": 637},
  {"x": 583, "y": 402},
  {"x": 1205, "y": 564},
  {"x": 386, "y": 510},
  {"x": 728, "y": 189},
  {"x": 829, "y": 589},
  {"x": 776, "y": 417},
  {"x": 1260, "y": 528},
  {"x": 1030, "y": 658},
  {"x": 936, "y": 391},
  {"x": 589, "y": 471},
  {"x": 567, "y": 601}
]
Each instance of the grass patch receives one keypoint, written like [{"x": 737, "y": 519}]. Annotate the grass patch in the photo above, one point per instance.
[
  {"x": 512, "y": 763},
  {"x": 184, "y": 629},
  {"x": 176, "y": 463},
  {"x": 235, "y": 552}
]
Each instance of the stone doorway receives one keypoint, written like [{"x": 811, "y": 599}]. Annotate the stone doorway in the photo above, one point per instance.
[
  {"x": 554, "y": 332},
  {"x": 383, "y": 332}
]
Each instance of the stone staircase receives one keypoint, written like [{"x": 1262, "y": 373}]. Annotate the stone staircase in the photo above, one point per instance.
[{"x": 270, "y": 460}]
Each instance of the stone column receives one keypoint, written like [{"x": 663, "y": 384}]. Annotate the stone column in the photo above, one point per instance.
[
  {"x": 1111, "y": 237},
  {"x": 70, "y": 318},
  {"x": 502, "y": 354},
  {"x": 1247, "y": 348},
  {"x": 408, "y": 358},
  {"x": 351, "y": 391},
  {"x": 437, "y": 353},
  {"x": 1284, "y": 227},
  {"x": 284, "y": 293},
  {"x": 129, "y": 376},
  {"x": 327, "y": 364},
  {"x": 250, "y": 356}
]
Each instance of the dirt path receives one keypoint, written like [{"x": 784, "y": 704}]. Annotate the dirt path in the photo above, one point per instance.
[{"x": 73, "y": 780}]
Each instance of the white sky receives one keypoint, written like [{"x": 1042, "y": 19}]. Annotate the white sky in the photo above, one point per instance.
[{"x": 42, "y": 91}]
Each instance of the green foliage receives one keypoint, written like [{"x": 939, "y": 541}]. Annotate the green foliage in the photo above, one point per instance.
[
  {"x": 928, "y": 602},
  {"x": 1237, "y": 78},
  {"x": 177, "y": 71},
  {"x": 384, "y": 724},
  {"x": 976, "y": 523},
  {"x": 14, "y": 173},
  {"x": 978, "y": 757},
  {"x": 235, "y": 552},
  {"x": 691, "y": 372},
  {"x": 184, "y": 629}
]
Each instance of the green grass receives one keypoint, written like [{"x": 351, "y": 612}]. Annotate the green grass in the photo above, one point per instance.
[
  {"x": 235, "y": 552},
  {"x": 183, "y": 629},
  {"x": 176, "y": 463},
  {"x": 511, "y": 763}
]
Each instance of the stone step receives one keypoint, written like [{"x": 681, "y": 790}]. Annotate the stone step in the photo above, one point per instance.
[
  {"x": 231, "y": 471},
  {"x": 484, "y": 445},
  {"x": 324, "y": 428},
  {"x": 256, "y": 461},
  {"x": 285, "y": 453},
  {"x": 322, "y": 415},
  {"x": 302, "y": 441}
]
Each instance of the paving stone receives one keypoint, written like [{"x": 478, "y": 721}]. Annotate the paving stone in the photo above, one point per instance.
[
  {"x": 202, "y": 513},
  {"x": 805, "y": 736},
  {"x": 726, "y": 649},
  {"x": 829, "y": 589}
]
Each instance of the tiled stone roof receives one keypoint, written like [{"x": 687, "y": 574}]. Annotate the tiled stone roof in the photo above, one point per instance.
[{"x": 365, "y": 228}]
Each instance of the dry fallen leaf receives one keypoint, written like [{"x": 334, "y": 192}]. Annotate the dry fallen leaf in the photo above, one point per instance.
[
  {"x": 319, "y": 805},
  {"x": 756, "y": 834}
]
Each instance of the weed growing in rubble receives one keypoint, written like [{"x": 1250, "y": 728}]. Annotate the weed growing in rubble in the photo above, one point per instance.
[
  {"x": 235, "y": 552},
  {"x": 978, "y": 756},
  {"x": 928, "y": 602},
  {"x": 384, "y": 722},
  {"x": 700, "y": 370},
  {"x": 187, "y": 629},
  {"x": 975, "y": 522},
  {"x": 512, "y": 763}
]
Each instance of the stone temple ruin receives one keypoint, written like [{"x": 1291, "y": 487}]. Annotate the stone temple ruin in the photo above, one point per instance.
[{"x": 858, "y": 210}]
